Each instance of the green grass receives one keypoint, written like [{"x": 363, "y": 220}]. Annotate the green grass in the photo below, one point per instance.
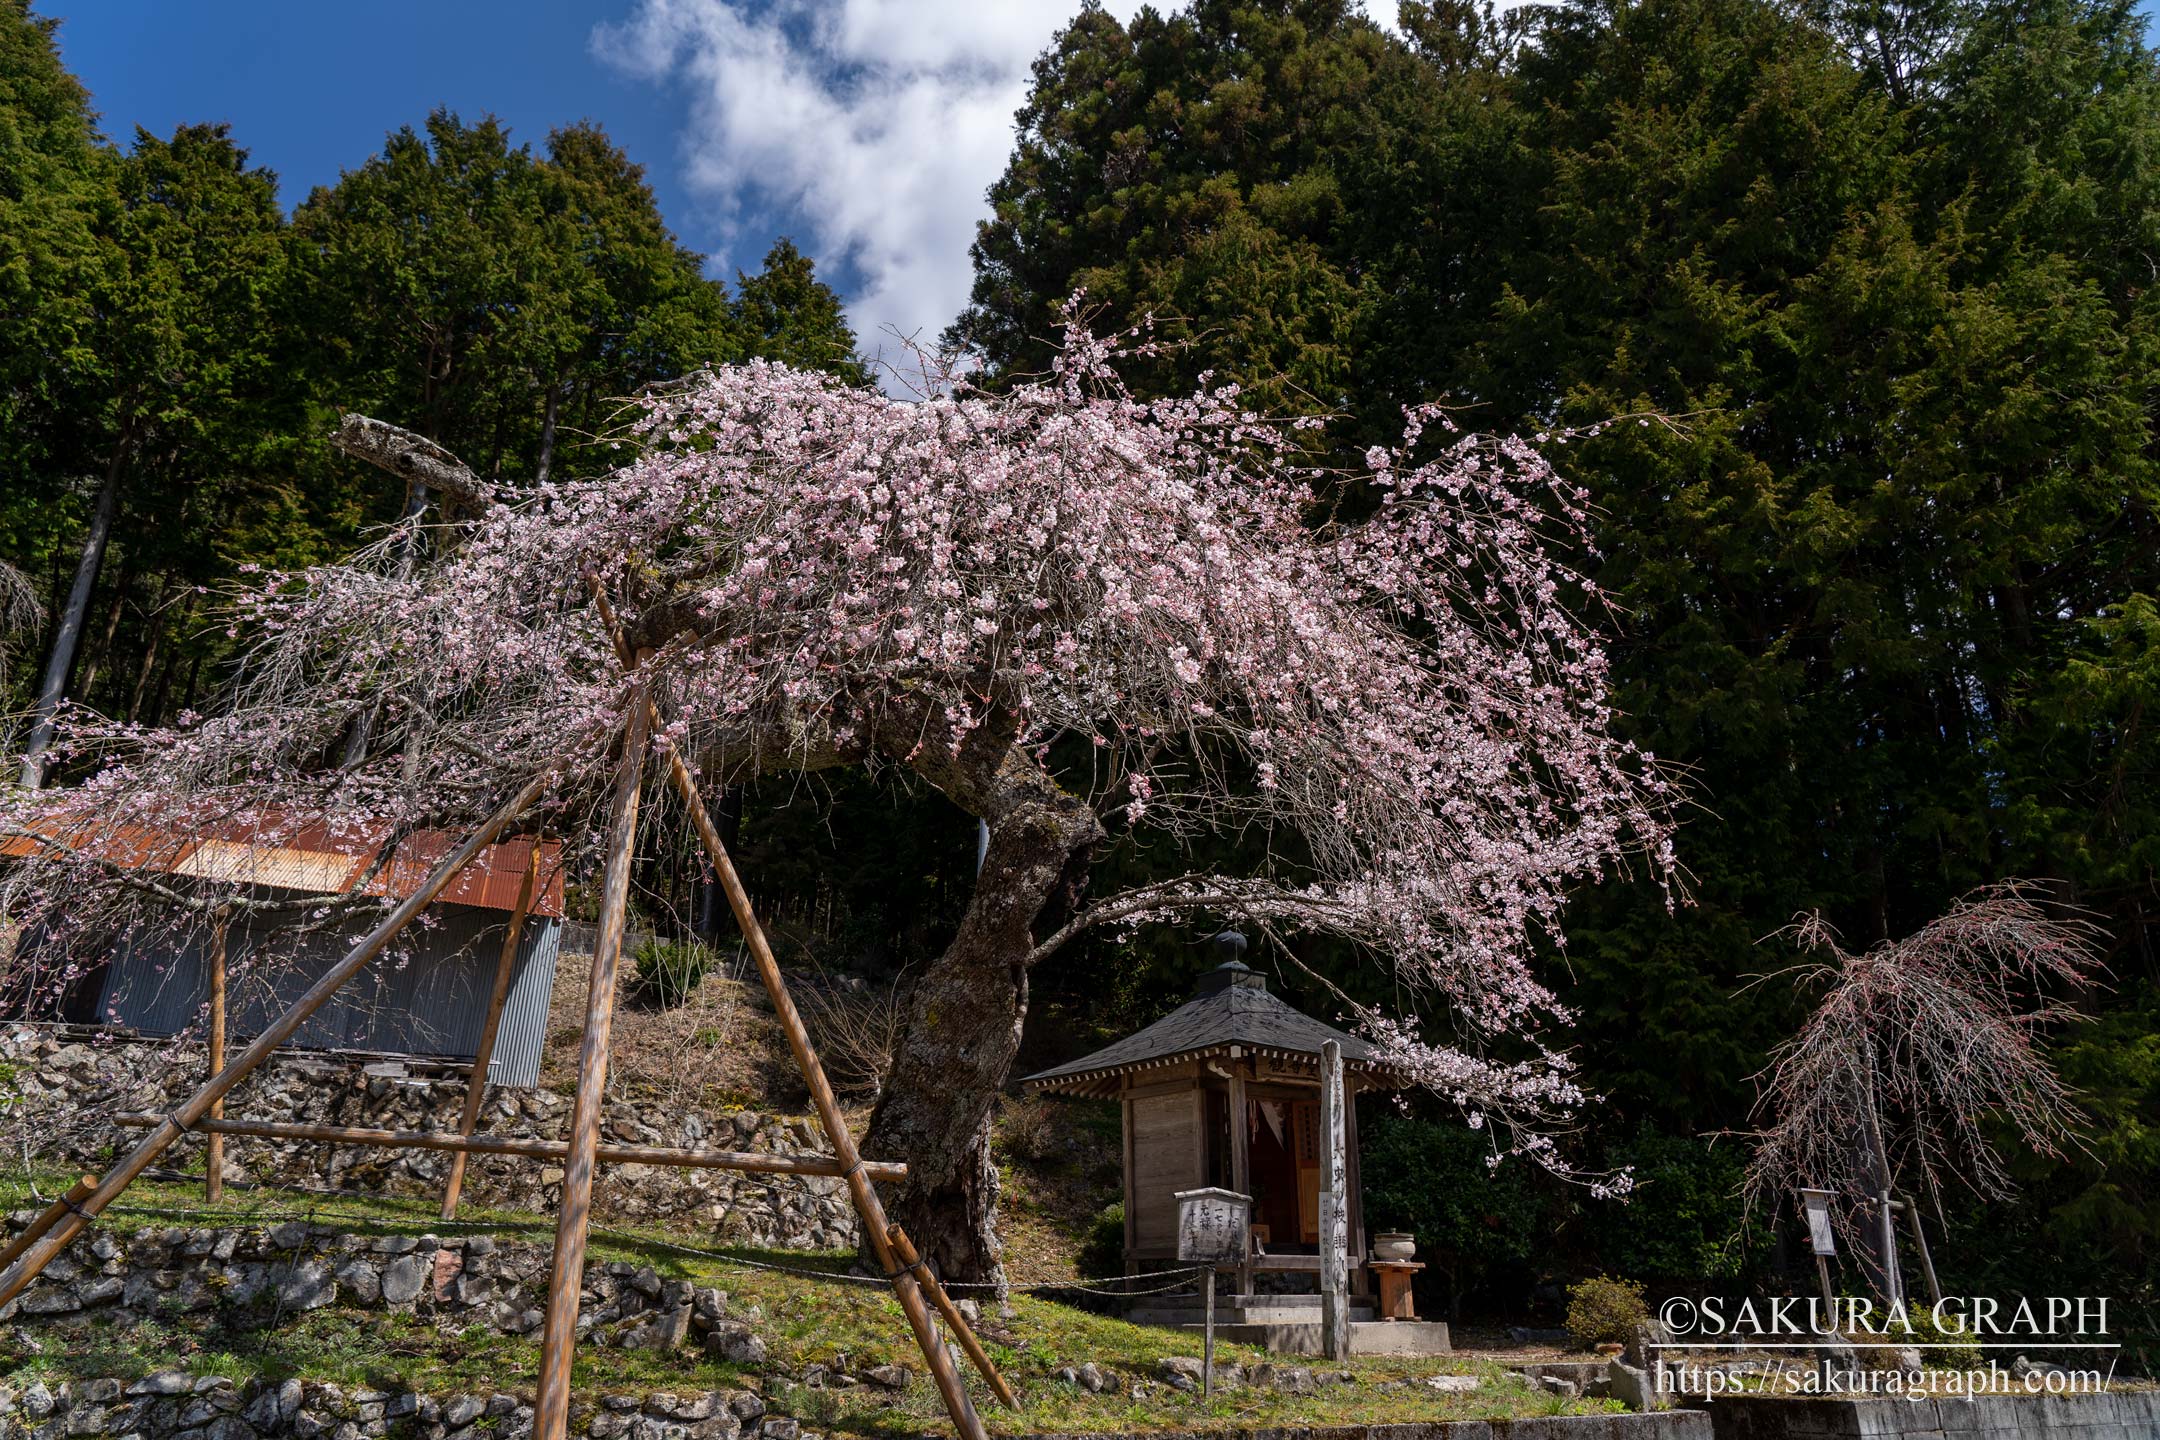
[{"x": 811, "y": 1316}]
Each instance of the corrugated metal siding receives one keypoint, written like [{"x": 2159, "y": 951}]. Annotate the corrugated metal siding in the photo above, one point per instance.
[
  {"x": 427, "y": 996},
  {"x": 522, "y": 1032}
]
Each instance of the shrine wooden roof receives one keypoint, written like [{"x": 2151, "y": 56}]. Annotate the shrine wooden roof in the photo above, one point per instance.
[{"x": 1233, "y": 1008}]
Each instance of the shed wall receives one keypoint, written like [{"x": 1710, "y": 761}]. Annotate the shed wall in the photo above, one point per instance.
[{"x": 427, "y": 996}]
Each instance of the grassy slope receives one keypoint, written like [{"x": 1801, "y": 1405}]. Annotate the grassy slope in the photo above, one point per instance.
[
  {"x": 1059, "y": 1164},
  {"x": 811, "y": 1316}
]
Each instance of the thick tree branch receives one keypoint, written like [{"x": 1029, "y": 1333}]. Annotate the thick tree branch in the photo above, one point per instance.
[{"x": 412, "y": 458}]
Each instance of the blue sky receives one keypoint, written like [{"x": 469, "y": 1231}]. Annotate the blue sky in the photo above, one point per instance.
[
  {"x": 312, "y": 89},
  {"x": 866, "y": 130}
]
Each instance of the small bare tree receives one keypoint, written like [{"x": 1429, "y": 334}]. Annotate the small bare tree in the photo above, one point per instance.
[
  {"x": 1919, "y": 1048},
  {"x": 20, "y": 612},
  {"x": 857, "y": 1031}
]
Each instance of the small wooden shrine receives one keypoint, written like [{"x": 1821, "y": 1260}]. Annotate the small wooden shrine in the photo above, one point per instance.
[{"x": 1225, "y": 1091}]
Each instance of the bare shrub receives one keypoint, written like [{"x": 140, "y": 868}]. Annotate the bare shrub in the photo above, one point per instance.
[
  {"x": 1028, "y": 1126},
  {"x": 699, "y": 1053},
  {"x": 856, "y": 1029}
]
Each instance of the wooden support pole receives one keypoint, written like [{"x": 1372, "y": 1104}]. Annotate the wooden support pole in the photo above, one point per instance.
[
  {"x": 33, "y": 1261},
  {"x": 551, "y": 1410},
  {"x": 904, "y": 1248},
  {"x": 47, "y": 1218},
  {"x": 867, "y": 1207},
  {"x": 214, "y": 1147},
  {"x": 753, "y": 1161},
  {"x": 1927, "y": 1260},
  {"x": 484, "y": 1056},
  {"x": 1240, "y": 1161},
  {"x": 1334, "y": 1210},
  {"x": 1893, "y": 1277}
]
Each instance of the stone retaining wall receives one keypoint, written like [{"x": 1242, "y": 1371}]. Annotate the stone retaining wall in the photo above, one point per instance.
[
  {"x": 2118, "y": 1415},
  {"x": 1660, "y": 1425},
  {"x": 68, "y": 1082},
  {"x": 252, "y": 1274},
  {"x": 175, "y": 1406}
]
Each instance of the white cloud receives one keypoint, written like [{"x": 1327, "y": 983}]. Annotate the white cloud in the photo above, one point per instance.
[{"x": 881, "y": 124}]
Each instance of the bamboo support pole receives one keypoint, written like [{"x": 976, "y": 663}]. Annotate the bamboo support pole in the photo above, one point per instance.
[
  {"x": 904, "y": 1248},
  {"x": 867, "y": 1206},
  {"x": 1893, "y": 1278},
  {"x": 484, "y": 1056},
  {"x": 214, "y": 1147},
  {"x": 32, "y": 1261},
  {"x": 456, "y": 1144},
  {"x": 1927, "y": 1260},
  {"x": 558, "y": 1341},
  {"x": 47, "y": 1218}
]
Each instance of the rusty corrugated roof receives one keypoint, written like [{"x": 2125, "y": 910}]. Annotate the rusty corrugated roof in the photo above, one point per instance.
[
  {"x": 325, "y": 872},
  {"x": 311, "y": 858}
]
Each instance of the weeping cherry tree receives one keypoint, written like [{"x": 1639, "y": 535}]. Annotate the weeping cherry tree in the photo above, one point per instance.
[
  {"x": 1918, "y": 1054},
  {"x": 1079, "y": 615}
]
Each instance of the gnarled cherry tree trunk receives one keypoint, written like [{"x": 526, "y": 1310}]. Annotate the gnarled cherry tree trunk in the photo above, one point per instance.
[{"x": 964, "y": 1019}]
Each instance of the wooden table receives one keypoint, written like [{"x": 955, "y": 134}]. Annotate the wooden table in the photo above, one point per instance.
[{"x": 1395, "y": 1276}]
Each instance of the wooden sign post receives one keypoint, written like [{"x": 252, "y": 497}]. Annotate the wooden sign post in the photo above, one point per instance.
[
  {"x": 1822, "y": 1239},
  {"x": 1214, "y": 1229},
  {"x": 1334, "y": 1209},
  {"x": 214, "y": 1148}
]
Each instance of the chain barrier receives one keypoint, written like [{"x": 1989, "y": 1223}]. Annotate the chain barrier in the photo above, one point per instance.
[{"x": 1186, "y": 1274}]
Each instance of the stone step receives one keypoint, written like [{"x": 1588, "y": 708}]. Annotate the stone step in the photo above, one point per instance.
[
  {"x": 1259, "y": 1310},
  {"x": 1367, "y": 1337}
]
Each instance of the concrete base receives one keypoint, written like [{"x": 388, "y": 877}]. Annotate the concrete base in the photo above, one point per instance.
[
  {"x": 1243, "y": 1310},
  {"x": 1659, "y": 1425},
  {"x": 1367, "y": 1337}
]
